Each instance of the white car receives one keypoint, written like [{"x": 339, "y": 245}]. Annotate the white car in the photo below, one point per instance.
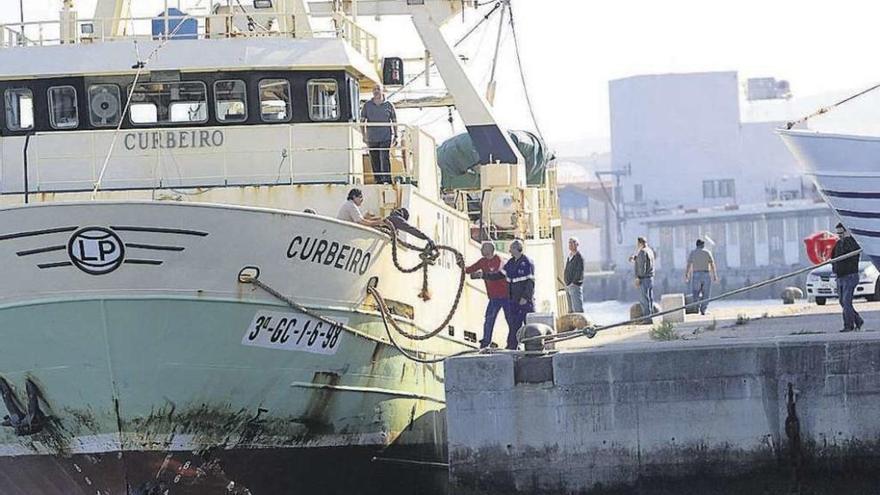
[{"x": 822, "y": 283}]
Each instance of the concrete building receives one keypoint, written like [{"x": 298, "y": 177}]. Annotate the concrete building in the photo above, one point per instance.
[
  {"x": 683, "y": 143},
  {"x": 690, "y": 162}
]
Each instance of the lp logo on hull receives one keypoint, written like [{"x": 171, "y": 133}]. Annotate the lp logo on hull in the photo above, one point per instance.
[{"x": 96, "y": 250}]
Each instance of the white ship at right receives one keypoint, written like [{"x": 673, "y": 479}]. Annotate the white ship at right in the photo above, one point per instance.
[{"x": 839, "y": 149}]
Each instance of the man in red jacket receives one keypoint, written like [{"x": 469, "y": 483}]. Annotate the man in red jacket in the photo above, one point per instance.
[{"x": 496, "y": 289}]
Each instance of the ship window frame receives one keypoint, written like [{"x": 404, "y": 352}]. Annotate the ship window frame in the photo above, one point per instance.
[
  {"x": 289, "y": 108},
  {"x": 53, "y": 118},
  {"x": 10, "y": 117},
  {"x": 244, "y": 101},
  {"x": 115, "y": 91},
  {"x": 354, "y": 99},
  {"x": 315, "y": 109},
  {"x": 169, "y": 109}
]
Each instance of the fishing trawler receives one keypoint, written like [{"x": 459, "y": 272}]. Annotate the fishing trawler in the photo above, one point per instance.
[
  {"x": 152, "y": 169},
  {"x": 838, "y": 147}
]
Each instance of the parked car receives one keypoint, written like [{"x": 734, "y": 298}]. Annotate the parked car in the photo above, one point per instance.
[{"x": 822, "y": 284}]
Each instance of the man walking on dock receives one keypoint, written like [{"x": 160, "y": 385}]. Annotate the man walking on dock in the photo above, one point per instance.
[
  {"x": 847, "y": 272},
  {"x": 644, "y": 270},
  {"x": 574, "y": 277},
  {"x": 700, "y": 273},
  {"x": 489, "y": 269}
]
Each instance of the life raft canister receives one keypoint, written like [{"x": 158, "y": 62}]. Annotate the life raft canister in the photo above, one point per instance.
[{"x": 820, "y": 245}]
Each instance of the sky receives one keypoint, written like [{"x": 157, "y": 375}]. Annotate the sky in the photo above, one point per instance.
[{"x": 572, "y": 48}]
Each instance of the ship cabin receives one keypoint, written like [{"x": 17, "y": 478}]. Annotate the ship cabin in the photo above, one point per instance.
[{"x": 206, "y": 109}]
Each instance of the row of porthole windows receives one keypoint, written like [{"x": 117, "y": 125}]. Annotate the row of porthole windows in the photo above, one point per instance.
[{"x": 176, "y": 102}]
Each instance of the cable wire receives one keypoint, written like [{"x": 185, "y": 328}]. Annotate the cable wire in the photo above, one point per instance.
[{"x": 522, "y": 74}]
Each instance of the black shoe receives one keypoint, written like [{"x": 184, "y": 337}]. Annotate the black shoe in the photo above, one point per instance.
[{"x": 846, "y": 330}]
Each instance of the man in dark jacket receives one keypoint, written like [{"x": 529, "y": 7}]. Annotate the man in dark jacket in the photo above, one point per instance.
[
  {"x": 847, "y": 272},
  {"x": 574, "y": 277},
  {"x": 519, "y": 271}
]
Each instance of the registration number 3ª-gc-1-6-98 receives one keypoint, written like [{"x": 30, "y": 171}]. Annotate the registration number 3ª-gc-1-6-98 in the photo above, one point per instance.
[{"x": 293, "y": 332}]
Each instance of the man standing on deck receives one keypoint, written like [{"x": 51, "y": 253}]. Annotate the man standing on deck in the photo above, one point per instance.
[
  {"x": 644, "y": 271},
  {"x": 496, "y": 288},
  {"x": 574, "y": 277},
  {"x": 847, "y": 272},
  {"x": 700, "y": 273},
  {"x": 380, "y": 137},
  {"x": 520, "y": 275}
]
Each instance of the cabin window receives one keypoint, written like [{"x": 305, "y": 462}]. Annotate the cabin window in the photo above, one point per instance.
[
  {"x": 231, "y": 101},
  {"x": 19, "y": 109},
  {"x": 104, "y": 105},
  {"x": 354, "y": 99},
  {"x": 275, "y": 100},
  {"x": 63, "y": 113},
  {"x": 323, "y": 99},
  {"x": 177, "y": 102}
]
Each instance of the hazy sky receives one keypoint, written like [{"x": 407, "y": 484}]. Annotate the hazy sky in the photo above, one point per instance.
[{"x": 572, "y": 48}]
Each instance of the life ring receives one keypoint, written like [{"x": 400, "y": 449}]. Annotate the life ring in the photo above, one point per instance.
[{"x": 820, "y": 245}]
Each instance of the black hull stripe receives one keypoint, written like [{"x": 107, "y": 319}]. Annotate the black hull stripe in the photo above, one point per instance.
[
  {"x": 153, "y": 247},
  {"x": 867, "y": 233},
  {"x": 159, "y": 230},
  {"x": 143, "y": 262},
  {"x": 852, "y": 194},
  {"x": 55, "y": 265},
  {"x": 33, "y": 233},
  {"x": 41, "y": 250},
  {"x": 858, "y": 214}
]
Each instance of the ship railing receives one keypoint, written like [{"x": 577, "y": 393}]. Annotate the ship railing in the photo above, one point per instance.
[
  {"x": 359, "y": 38},
  {"x": 207, "y": 26},
  {"x": 346, "y": 160},
  {"x": 536, "y": 218}
]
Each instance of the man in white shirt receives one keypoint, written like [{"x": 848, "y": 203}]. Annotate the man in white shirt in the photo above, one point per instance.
[{"x": 351, "y": 210}]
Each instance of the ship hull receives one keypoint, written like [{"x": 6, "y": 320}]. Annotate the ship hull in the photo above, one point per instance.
[
  {"x": 846, "y": 172},
  {"x": 134, "y": 400},
  {"x": 337, "y": 470},
  {"x": 176, "y": 376}
]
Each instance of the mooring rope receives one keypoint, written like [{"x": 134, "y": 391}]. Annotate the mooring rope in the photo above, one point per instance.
[{"x": 591, "y": 332}]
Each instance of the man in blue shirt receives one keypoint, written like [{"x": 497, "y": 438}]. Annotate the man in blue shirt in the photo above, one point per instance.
[{"x": 520, "y": 274}]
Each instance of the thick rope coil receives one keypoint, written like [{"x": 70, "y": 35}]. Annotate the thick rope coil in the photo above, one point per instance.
[{"x": 429, "y": 255}]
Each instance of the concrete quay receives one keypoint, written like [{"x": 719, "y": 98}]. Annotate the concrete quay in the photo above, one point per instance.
[{"x": 684, "y": 417}]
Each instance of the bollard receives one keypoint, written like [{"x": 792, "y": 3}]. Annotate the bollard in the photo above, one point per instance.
[
  {"x": 789, "y": 294},
  {"x": 635, "y": 311},
  {"x": 534, "y": 330}
]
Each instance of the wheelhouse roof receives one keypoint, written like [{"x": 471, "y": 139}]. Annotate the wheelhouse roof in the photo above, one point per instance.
[{"x": 118, "y": 57}]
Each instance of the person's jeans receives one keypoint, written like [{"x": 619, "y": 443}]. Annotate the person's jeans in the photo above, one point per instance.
[
  {"x": 701, "y": 287},
  {"x": 380, "y": 161},
  {"x": 646, "y": 295},
  {"x": 575, "y": 298},
  {"x": 846, "y": 287},
  {"x": 516, "y": 320},
  {"x": 492, "y": 309}
]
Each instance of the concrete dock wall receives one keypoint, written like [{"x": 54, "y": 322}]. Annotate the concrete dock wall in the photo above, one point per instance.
[{"x": 590, "y": 420}]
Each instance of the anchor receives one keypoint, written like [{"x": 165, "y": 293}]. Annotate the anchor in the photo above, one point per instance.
[{"x": 25, "y": 422}]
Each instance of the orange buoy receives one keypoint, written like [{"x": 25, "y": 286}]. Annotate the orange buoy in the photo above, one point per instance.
[{"x": 819, "y": 246}]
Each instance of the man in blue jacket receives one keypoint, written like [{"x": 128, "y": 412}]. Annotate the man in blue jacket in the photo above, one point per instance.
[{"x": 520, "y": 274}]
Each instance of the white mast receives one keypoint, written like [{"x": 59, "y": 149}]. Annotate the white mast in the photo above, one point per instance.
[{"x": 108, "y": 13}]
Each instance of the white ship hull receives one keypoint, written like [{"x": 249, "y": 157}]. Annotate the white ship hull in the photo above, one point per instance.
[
  {"x": 846, "y": 171},
  {"x": 157, "y": 369}
]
